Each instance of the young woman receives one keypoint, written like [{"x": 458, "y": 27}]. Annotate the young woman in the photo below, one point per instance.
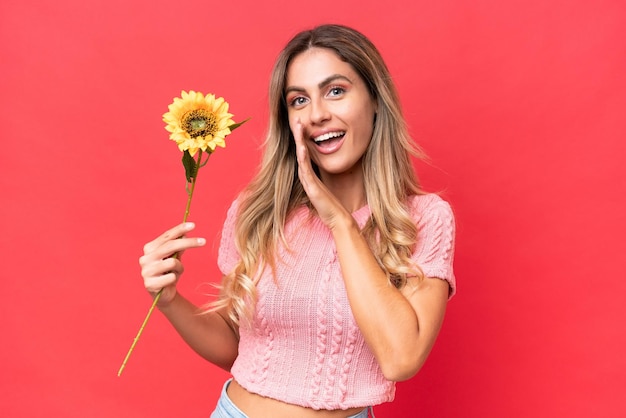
[{"x": 337, "y": 266}]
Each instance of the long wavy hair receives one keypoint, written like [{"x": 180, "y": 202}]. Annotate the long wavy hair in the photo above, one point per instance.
[{"x": 275, "y": 191}]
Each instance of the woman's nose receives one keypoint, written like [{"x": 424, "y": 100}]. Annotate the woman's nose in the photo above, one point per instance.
[{"x": 319, "y": 112}]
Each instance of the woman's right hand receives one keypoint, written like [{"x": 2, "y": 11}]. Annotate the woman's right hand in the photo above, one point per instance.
[{"x": 159, "y": 268}]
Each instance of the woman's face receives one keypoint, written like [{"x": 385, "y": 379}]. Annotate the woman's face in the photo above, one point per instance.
[{"x": 335, "y": 108}]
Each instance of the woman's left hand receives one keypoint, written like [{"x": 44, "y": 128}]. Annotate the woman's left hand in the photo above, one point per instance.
[{"x": 328, "y": 207}]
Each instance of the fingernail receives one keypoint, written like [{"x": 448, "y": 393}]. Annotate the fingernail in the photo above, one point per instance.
[
  {"x": 201, "y": 241},
  {"x": 189, "y": 225}
]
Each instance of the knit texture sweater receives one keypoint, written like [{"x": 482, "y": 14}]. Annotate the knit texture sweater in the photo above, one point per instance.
[{"x": 303, "y": 345}]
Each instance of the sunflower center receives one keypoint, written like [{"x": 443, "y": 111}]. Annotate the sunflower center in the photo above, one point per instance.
[{"x": 199, "y": 122}]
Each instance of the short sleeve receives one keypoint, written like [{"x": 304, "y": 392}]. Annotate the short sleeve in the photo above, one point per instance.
[
  {"x": 434, "y": 251},
  {"x": 228, "y": 256}
]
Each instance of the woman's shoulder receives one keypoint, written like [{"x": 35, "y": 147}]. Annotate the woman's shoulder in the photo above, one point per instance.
[
  {"x": 434, "y": 251},
  {"x": 428, "y": 208},
  {"x": 425, "y": 202}
]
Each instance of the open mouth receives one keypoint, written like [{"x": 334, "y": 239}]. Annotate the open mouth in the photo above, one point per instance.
[{"x": 329, "y": 139}]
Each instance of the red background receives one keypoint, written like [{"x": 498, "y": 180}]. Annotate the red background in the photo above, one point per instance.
[{"x": 520, "y": 105}]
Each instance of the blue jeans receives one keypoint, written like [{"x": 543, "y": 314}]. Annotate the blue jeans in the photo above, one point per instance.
[{"x": 227, "y": 409}]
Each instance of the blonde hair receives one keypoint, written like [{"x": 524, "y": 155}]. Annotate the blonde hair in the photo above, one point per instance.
[{"x": 275, "y": 191}]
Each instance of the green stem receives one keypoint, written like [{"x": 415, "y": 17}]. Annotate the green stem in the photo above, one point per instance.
[
  {"x": 193, "y": 185},
  {"x": 158, "y": 295},
  {"x": 143, "y": 325}
]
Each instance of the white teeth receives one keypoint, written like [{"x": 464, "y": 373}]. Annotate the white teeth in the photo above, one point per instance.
[{"x": 328, "y": 136}]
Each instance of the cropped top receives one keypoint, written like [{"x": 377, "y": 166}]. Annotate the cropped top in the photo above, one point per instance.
[{"x": 303, "y": 345}]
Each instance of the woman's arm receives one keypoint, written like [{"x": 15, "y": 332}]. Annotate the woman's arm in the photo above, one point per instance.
[
  {"x": 212, "y": 335},
  {"x": 399, "y": 326}
]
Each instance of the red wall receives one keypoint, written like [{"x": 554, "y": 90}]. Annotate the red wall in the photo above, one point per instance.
[{"x": 520, "y": 104}]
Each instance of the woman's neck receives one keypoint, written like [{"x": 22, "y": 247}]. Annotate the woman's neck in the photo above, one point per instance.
[{"x": 348, "y": 189}]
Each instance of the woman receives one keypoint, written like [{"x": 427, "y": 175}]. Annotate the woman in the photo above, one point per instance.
[{"x": 337, "y": 267}]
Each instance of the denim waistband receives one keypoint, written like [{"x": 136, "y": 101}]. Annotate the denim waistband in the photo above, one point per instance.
[{"x": 227, "y": 409}]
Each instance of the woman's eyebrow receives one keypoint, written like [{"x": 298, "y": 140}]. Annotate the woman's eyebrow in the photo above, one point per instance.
[
  {"x": 332, "y": 78},
  {"x": 328, "y": 80}
]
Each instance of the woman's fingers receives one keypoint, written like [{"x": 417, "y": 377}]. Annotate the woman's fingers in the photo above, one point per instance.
[
  {"x": 155, "y": 284},
  {"x": 169, "y": 243},
  {"x": 159, "y": 269},
  {"x": 169, "y": 248},
  {"x": 174, "y": 233},
  {"x": 307, "y": 176},
  {"x": 325, "y": 203}
]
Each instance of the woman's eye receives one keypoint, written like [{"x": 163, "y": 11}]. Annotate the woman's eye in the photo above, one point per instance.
[
  {"x": 298, "y": 101},
  {"x": 336, "y": 91}
]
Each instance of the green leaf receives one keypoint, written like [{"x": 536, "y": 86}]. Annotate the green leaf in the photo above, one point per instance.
[
  {"x": 237, "y": 125},
  {"x": 190, "y": 166},
  {"x": 202, "y": 164}
]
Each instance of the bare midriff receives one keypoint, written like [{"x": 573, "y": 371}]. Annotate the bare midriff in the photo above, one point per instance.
[{"x": 257, "y": 406}]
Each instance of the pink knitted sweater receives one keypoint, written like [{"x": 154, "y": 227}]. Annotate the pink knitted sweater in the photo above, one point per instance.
[{"x": 304, "y": 346}]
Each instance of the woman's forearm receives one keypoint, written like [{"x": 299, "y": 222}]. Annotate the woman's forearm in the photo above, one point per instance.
[
  {"x": 208, "y": 334},
  {"x": 399, "y": 326}
]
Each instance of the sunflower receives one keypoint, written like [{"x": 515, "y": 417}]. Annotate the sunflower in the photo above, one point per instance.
[
  {"x": 196, "y": 121},
  {"x": 198, "y": 124}
]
